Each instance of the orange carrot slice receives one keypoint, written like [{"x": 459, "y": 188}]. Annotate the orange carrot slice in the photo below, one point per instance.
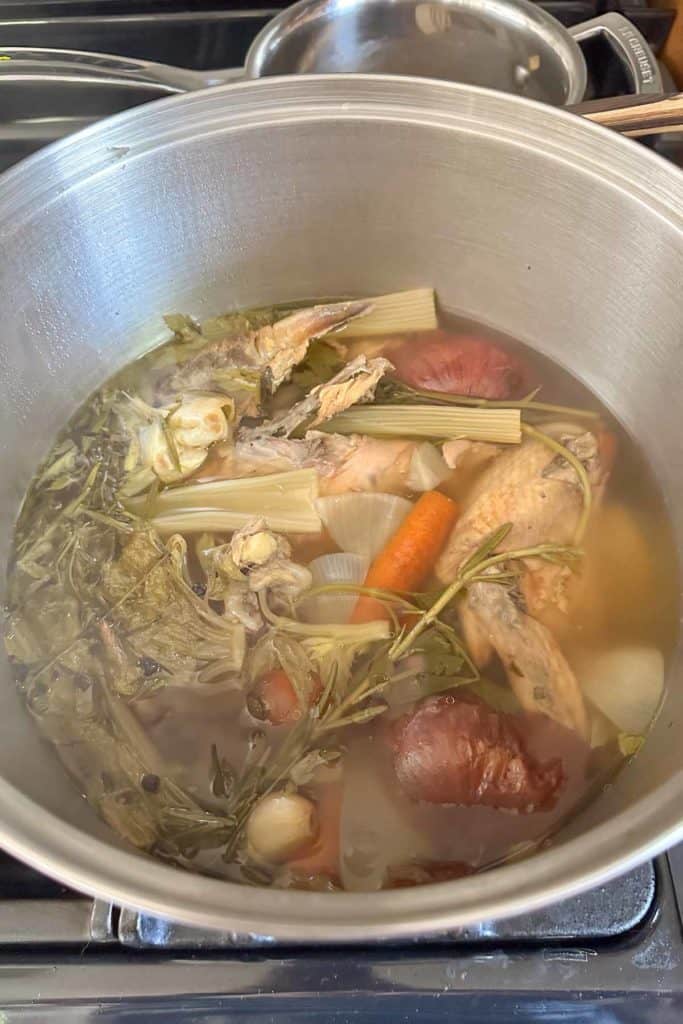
[
  {"x": 409, "y": 556},
  {"x": 274, "y": 699},
  {"x": 323, "y": 856}
]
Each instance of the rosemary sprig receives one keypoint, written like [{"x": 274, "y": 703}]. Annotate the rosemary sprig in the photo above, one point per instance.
[
  {"x": 473, "y": 569},
  {"x": 263, "y": 774},
  {"x": 476, "y": 566},
  {"x": 397, "y": 392},
  {"x": 579, "y": 469},
  {"x": 388, "y": 597}
]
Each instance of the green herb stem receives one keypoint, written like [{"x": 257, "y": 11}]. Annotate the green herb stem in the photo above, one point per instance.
[
  {"x": 524, "y": 404},
  {"x": 475, "y": 567},
  {"x": 579, "y": 469}
]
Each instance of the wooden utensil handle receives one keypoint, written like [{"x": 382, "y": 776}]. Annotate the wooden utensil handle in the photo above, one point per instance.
[{"x": 636, "y": 116}]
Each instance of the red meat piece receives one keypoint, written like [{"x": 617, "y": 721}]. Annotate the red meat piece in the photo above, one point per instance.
[{"x": 458, "y": 750}]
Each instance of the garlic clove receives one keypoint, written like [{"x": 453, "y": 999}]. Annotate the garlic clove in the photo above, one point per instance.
[{"x": 280, "y": 826}]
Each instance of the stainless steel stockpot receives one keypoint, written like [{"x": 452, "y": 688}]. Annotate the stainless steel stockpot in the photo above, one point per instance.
[{"x": 536, "y": 222}]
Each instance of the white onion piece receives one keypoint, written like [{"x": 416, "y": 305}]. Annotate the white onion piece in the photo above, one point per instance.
[
  {"x": 376, "y": 832},
  {"x": 339, "y": 567},
  {"x": 428, "y": 468},
  {"x": 602, "y": 730},
  {"x": 336, "y": 568},
  {"x": 626, "y": 684},
  {"x": 362, "y": 523}
]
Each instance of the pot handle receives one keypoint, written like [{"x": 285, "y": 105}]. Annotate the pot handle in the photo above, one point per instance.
[
  {"x": 630, "y": 47},
  {"x": 636, "y": 116},
  {"x": 37, "y": 60}
]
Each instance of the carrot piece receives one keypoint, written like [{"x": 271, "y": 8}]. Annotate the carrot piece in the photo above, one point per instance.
[
  {"x": 274, "y": 699},
  {"x": 323, "y": 856},
  {"x": 409, "y": 556}
]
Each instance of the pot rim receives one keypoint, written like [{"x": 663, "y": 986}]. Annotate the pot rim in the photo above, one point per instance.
[
  {"x": 137, "y": 881},
  {"x": 131, "y": 879},
  {"x": 540, "y": 22}
]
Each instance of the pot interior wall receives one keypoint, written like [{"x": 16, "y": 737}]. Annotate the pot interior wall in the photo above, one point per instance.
[{"x": 509, "y": 231}]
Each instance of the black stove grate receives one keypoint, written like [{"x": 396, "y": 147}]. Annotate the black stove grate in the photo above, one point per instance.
[{"x": 20, "y": 882}]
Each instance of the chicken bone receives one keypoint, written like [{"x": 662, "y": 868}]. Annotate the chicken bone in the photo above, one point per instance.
[
  {"x": 254, "y": 560},
  {"x": 355, "y": 383}
]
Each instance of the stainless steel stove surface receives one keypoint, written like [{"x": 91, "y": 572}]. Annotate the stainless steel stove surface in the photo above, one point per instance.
[{"x": 611, "y": 956}]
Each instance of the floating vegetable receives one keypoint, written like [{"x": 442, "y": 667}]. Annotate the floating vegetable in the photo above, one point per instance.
[
  {"x": 280, "y": 826},
  {"x": 324, "y": 857},
  {"x": 329, "y": 570},
  {"x": 459, "y": 751},
  {"x": 626, "y": 685},
  {"x": 276, "y": 701},
  {"x": 285, "y": 501},
  {"x": 428, "y": 468},
  {"x": 460, "y": 364},
  {"x": 202, "y": 421},
  {"x": 409, "y": 556},
  {"x": 163, "y": 457},
  {"x": 434, "y": 421},
  {"x": 401, "y": 311},
  {"x": 362, "y": 523}
]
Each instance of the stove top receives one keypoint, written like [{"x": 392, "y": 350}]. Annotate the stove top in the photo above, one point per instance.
[
  {"x": 610, "y": 956},
  {"x": 199, "y": 35}
]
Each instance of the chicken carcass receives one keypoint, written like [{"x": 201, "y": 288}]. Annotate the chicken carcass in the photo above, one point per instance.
[
  {"x": 355, "y": 383},
  {"x": 274, "y": 349},
  {"x": 343, "y": 463}
]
